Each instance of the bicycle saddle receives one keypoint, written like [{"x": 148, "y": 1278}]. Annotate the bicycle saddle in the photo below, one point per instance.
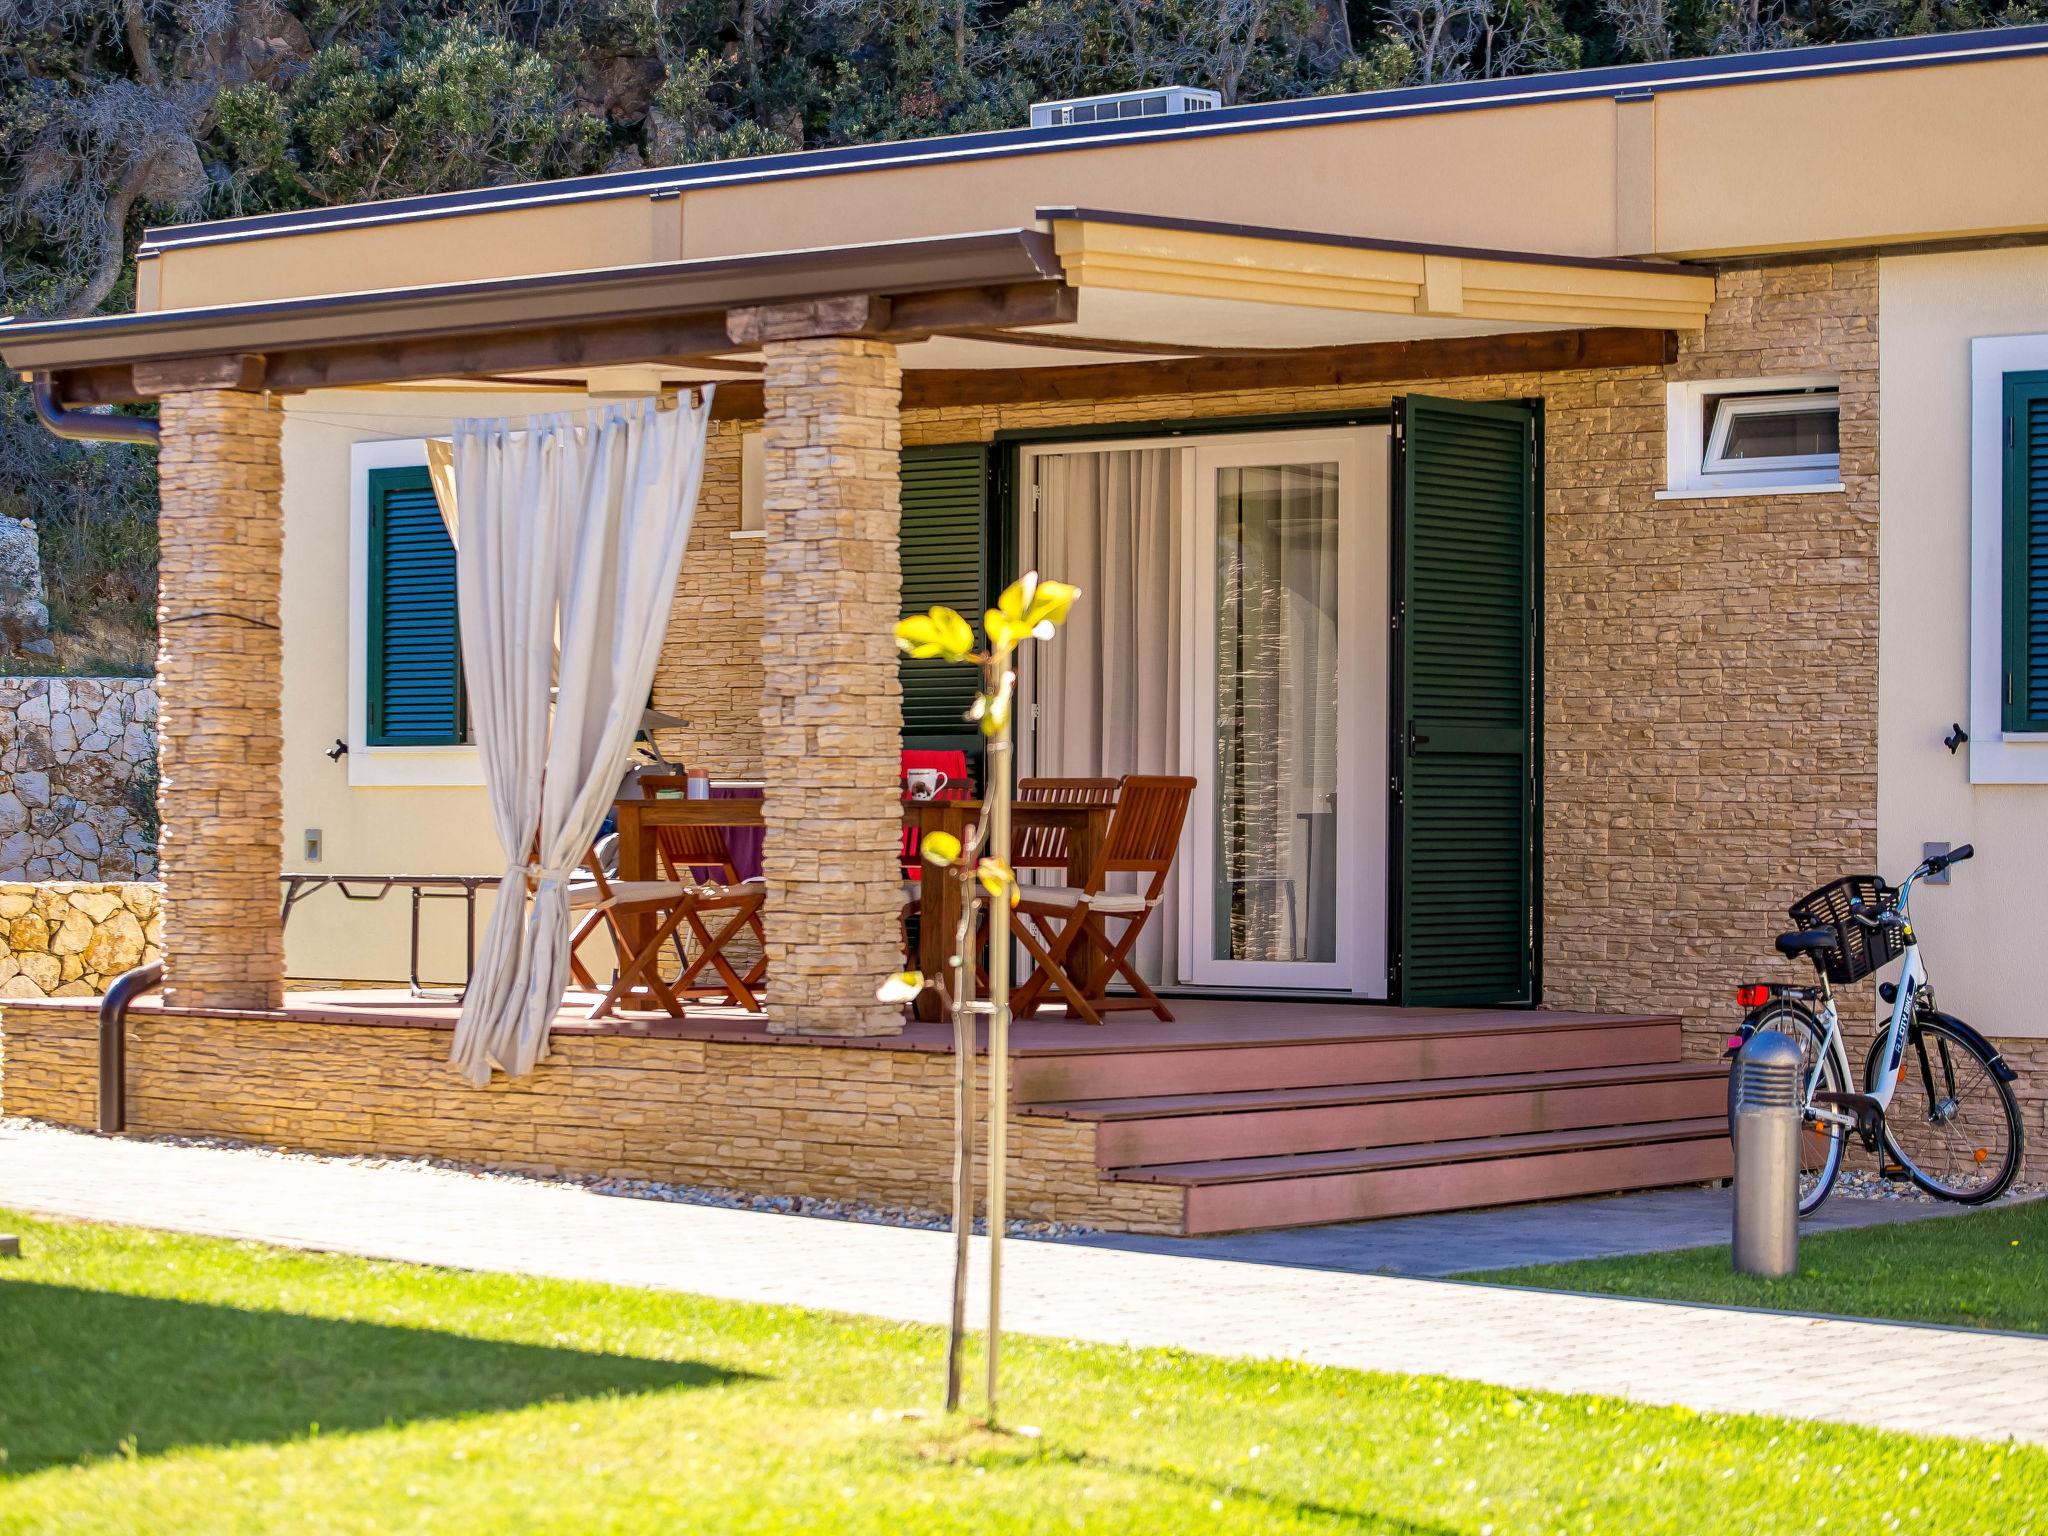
[{"x": 1807, "y": 941}]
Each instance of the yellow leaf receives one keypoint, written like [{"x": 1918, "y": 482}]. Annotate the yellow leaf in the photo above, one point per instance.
[
  {"x": 1005, "y": 631},
  {"x": 1032, "y": 601},
  {"x": 993, "y": 709},
  {"x": 940, "y": 848},
  {"x": 998, "y": 880},
  {"x": 940, "y": 633},
  {"x": 903, "y": 987}
]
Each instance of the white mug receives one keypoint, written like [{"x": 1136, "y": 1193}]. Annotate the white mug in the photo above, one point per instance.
[{"x": 925, "y": 783}]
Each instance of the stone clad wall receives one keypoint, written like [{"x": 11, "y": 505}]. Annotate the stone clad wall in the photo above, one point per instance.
[
  {"x": 850, "y": 1122},
  {"x": 72, "y": 940},
  {"x": 77, "y": 777}
]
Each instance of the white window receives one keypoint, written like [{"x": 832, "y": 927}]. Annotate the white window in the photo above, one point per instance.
[{"x": 1754, "y": 437}]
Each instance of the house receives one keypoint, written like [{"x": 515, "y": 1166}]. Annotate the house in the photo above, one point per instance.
[{"x": 1643, "y": 452}]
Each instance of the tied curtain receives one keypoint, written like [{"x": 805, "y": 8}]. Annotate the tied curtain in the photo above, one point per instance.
[
  {"x": 574, "y": 526},
  {"x": 1107, "y": 691}
]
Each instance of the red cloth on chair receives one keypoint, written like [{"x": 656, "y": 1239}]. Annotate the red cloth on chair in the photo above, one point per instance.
[{"x": 958, "y": 786}]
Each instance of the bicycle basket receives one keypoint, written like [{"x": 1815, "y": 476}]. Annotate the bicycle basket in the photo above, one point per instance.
[{"x": 1857, "y": 950}]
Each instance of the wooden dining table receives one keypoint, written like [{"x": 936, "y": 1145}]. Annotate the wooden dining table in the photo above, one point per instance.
[{"x": 938, "y": 900}]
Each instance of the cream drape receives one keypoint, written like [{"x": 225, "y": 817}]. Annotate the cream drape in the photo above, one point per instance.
[
  {"x": 575, "y": 525},
  {"x": 1107, "y": 690}
]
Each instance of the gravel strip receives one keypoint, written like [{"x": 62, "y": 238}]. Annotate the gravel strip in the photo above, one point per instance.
[
  {"x": 1864, "y": 1184},
  {"x": 602, "y": 1184}
]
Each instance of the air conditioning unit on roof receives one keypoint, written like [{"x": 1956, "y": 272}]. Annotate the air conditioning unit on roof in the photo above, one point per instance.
[{"x": 1165, "y": 101}]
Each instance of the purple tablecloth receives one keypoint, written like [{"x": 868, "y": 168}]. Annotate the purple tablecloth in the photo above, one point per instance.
[{"x": 743, "y": 844}]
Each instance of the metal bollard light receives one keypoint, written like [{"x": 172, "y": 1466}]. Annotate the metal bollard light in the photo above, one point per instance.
[{"x": 1764, "y": 1121}]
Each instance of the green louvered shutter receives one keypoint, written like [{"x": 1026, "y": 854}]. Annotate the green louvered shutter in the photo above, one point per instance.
[
  {"x": 414, "y": 661},
  {"x": 945, "y": 502},
  {"x": 2026, "y": 552},
  {"x": 1464, "y": 718}
]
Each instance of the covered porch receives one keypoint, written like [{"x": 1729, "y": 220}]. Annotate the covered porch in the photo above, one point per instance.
[{"x": 847, "y": 357}]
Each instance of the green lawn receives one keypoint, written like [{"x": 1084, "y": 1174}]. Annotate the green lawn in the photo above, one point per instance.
[
  {"x": 154, "y": 1383},
  {"x": 1986, "y": 1269}
]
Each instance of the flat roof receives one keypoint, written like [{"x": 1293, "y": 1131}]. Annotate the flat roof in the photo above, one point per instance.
[{"x": 1623, "y": 82}]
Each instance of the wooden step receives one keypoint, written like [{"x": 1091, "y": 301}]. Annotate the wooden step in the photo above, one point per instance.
[
  {"x": 1403, "y": 1047},
  {"x": 1268, "y": 1122},
  {"x": 1363, "y": 1184}
]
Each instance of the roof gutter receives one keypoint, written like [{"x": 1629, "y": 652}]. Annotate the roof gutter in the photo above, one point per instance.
[{"x": 88, "y": 426}]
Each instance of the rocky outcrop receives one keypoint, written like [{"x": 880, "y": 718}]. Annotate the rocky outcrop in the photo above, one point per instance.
[
  {"x": 24, "y": 616},
  {"x": 77, "y": 778},
  {"x": 70, "y": 940}
]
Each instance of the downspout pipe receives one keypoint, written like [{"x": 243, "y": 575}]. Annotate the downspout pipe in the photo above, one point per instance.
[
  {"x": 129, "y": 985},
  {"x": 87, "y": 426}
]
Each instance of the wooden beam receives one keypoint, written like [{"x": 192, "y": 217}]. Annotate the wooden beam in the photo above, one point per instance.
[
  {"x": 846, "y": 314},
  {"x": 1417, "y": 362},
  {"x": 962, "y": 309},
  {"x": 1063, "y": 342},
  {"x": 398, "y": 360},
  {"x": 241, "y": 370},
  {"x": 697, "y": 336},
  {"x": 1376, "y": 363}
]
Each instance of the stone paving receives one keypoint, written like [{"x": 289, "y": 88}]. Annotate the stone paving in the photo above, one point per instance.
[
  {"x": 1984, "y": 1385},
  {"x": 1556, "y": 1232}
]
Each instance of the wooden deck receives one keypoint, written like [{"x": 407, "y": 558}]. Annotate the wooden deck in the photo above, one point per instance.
[{"x": 1272, "y": 1113}]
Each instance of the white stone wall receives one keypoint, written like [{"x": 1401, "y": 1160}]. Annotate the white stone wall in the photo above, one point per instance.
[
  {"x": 71, "y": 751},
  {"x": 69, "y": 940}
]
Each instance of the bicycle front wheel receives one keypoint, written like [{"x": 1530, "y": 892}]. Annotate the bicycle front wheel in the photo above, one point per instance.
[
  {"x": 1820, "y": 1144},
  {"x": 1953, "y": 1123}
]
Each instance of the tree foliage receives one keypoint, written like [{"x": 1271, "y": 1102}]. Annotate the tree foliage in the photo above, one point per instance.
[{"x": 119, "y": 113}]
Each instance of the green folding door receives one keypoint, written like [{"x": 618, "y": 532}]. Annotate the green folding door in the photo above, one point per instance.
[
  {"x": 945, "y": 513},
  {"x": 1466, "y": 638}
]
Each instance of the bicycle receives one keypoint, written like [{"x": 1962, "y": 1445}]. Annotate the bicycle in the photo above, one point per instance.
[{"x": 1937, "y": 1098}]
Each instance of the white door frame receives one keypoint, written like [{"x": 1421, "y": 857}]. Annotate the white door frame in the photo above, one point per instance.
[
  {"x": 1364, "y": 457},
  {"x": 1363, "y": 546}
]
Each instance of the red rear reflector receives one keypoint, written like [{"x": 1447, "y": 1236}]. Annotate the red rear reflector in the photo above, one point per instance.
[
  {"x": 1754, "y": 995},
  {"x": 1735, "y": 1042}
]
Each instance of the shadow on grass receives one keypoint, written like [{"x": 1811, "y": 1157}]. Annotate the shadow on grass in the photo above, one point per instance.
[{"x": 87, "y": 1373}]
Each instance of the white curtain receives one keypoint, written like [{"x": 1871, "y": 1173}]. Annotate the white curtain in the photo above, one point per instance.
[
  {"x": 1107, "y": 689},
  {"x": 575, "y": 525}
]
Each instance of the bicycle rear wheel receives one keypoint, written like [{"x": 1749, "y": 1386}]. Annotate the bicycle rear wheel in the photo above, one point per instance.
[
  {"x": 1953, "y": 1123},
  {"x": 1820, "y": 1145}
]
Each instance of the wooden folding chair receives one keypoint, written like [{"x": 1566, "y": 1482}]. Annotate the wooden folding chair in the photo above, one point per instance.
[
  {"x": 697, "y": 854},
  {"x": 1050, "y": 920},
  {"x": 671, "y": 905}
]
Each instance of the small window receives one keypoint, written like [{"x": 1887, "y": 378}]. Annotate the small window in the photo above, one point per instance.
[
  {"x": 1772, "y": 434},
  {"x": 1768, "y": 436}
]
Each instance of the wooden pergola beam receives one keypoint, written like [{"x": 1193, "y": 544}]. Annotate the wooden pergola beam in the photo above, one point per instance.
[
  {"x": 1456, "y": 357},
  {"x": 688, "y": 338}
]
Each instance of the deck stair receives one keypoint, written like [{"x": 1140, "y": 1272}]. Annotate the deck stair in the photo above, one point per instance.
[{"x": 1390, "y": 1114}]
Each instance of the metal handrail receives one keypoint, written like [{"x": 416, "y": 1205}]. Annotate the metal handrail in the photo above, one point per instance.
[{"x": 127, "y": 986}]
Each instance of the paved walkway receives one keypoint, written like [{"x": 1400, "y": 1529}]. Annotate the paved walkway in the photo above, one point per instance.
[
  {"x": 1556, "y": 1232},
  {"x": 1985, "y": 1385}
]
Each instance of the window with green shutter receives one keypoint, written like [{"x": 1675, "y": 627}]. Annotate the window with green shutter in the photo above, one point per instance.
[
  {"x": 414, "y": 665},
  {"x": 2025, "y": 541},
  {"x": 945, "y": 507}
]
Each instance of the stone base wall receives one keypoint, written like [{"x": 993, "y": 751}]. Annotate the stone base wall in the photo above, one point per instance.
[
  {"x": 852, "y": 1122},
  {"x": 77, "y": 778},
  {"x": 71, "y": 940}
]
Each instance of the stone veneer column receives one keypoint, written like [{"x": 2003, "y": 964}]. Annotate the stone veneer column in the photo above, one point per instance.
[
  {"x": 831, "y": 704},
  {"x": 219, "y": 680}
]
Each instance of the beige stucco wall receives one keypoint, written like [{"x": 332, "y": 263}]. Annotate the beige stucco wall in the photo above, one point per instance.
[
  {"x": 385, "y": 829},
  {"x": 1935, "y": 152},
  {"x": 1986, "y": 933}
]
